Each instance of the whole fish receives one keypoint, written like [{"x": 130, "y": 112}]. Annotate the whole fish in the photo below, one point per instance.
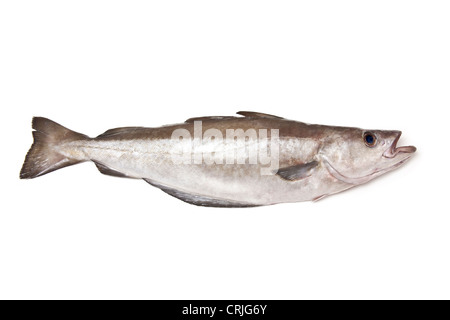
[{"x": 251, "y": 160}]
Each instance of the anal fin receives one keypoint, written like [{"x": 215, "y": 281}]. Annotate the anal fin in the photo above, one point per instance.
[
  {"x": 110, "y": 172},
  {"x": 200, "y": 200}
]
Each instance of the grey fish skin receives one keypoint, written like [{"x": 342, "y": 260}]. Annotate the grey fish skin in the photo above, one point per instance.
[{"x": 313, "y": 161}]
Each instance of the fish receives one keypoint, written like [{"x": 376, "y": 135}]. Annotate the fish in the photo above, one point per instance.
[{"x": 249, "y": 160}]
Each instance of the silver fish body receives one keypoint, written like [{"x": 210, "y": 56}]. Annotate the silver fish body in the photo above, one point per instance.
[{"x": 254, "y": 160}]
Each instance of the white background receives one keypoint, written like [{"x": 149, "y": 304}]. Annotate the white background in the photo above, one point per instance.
[{"x": 95, "y": 65}]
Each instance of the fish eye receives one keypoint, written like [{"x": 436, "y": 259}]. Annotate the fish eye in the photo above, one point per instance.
[{"x": 370, "y": 139}]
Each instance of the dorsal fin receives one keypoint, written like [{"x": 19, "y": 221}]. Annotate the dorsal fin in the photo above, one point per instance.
[
  {"x": 115, "y": 131},
  {"x": 251, "y": 114},
  {"x": 247, "y": 114},
  {"x": 191, "y": 120}
]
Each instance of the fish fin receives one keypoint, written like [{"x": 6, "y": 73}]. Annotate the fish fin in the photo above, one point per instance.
[
  {"x": 251, "y": 114},
  {"x": 248, "y": 114},
  {"x": 42, "y": 157},
  {"x": 112, "y": 132},
  {"x": 191, "y": 120},
  {"x": 200, "y": 200},
  {"x": 297, "y": 172},
  {"x": 320, "y": 197},
  {"x": 110, "y": 172}
]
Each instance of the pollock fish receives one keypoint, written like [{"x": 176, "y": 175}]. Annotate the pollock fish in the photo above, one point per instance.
[{"x": 253, "y": 159}]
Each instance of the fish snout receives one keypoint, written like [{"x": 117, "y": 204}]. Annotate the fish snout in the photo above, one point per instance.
[{"x": 393, "y": 150}]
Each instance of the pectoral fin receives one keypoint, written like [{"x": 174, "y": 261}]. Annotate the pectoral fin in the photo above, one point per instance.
[{"x": 297, "y": 172}]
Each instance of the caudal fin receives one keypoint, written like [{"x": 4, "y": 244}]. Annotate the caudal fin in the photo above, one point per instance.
[{"x": 42, "y": 157}]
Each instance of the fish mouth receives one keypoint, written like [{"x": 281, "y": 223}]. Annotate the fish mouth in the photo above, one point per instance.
[
  {"x": 363, "y": 179},
  {"x": 393, "y": 150}
]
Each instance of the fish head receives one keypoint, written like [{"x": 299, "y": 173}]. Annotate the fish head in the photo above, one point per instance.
[{"x": 356, "y": 156}]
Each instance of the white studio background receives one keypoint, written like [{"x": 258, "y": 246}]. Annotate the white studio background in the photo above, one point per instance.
[{"x": 95, "y": 65}]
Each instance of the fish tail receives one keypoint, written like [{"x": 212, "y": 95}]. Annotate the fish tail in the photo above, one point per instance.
[{"x": 43, "y": 157}]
